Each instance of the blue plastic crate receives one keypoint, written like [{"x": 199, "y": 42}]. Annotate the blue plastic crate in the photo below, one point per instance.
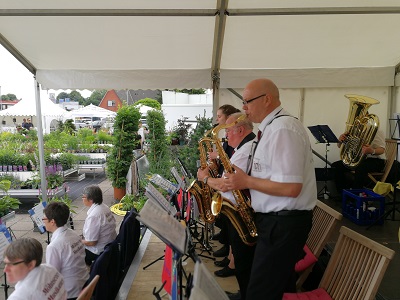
[{"x": 363, "y": 206}]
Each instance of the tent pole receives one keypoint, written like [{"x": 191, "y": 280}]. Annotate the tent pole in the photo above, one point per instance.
[{"x": 43, "y": 181}]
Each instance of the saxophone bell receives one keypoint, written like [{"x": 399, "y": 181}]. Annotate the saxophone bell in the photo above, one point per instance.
[{"x": 216, "y": 204}]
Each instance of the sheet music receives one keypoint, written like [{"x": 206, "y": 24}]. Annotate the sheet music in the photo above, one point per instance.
[
  {"x": 204, "y": 285},
  {"x": 164, "y": 225},
  {"x": 153, "y": 193},
  {"x": 178, "y": 178},
  {"x": 164, "y": 183},
  {"x": 4, "y": 241},
  {"x": 37, "y": 215}
]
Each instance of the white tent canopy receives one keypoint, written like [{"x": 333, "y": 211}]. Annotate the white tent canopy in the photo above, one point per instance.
[
  {"x": 296, "y": 43},
  {"x": 90, "y": 111},
  {"x": 27, "y": 108}
]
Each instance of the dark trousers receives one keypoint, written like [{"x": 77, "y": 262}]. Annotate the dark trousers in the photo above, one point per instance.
[
  {"x": 279, "y": 246},
  {"x": 344, "y": 179},
  {"x": 243, "y": 255},
  {"x": 90, "y": 257},
  {"x": 223, "y": 222}
]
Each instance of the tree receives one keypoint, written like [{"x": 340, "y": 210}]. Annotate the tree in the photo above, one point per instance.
[
  {"x": 62, "y": 95},
  {"x": 149, "y": 102},
  {"x": 10, "y": 97},
  {"x": 191, "y": 91},
  {"x": 96, "y": 97},
  {"x": 76, "y": 97}
]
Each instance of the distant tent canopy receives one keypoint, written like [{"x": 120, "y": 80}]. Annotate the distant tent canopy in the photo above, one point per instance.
[{"x": 26, "y": 108}]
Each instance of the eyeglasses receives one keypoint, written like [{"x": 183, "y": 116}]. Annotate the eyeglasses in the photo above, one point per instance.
[
  {"x": 13, "y": 263},
  {"x": 45, "y": 219},
  {"x": 252, "y": 99}
]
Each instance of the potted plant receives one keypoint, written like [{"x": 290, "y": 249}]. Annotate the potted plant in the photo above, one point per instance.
[
  {"x": 120, "y": 158},
  {"x": 7, "y": 203}
]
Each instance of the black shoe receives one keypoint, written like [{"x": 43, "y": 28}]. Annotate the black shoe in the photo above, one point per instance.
[
  {"x": 225, "y": 272},
  {"x": 224, "y": 251},
  {"x": 222, "y": 263},
  {"x": 234, "y": 296},
  {"x": 216, "y": 236}
]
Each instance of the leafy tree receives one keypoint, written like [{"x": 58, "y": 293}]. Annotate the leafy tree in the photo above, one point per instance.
[
  {"x": 190, "y": 153},
  {"x": 96, "y": 97},
  {"x": 10, "y": 97},
  {"x": 191, "y": 91},
  {"x": 77, "y": 97},
  {"x": 149, "y": 102},
  {"x": 62, "y": 95},
  {"x": 159, "y": 155}
]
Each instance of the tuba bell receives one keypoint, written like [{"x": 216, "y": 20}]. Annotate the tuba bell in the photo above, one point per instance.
[{"x": 361, "y": 128}]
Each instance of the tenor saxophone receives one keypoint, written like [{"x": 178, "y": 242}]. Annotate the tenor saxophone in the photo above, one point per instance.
[{"x": 241, "y": 215}]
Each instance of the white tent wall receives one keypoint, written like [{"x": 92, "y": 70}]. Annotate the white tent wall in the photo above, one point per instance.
[{"x": 10, "y": 126}]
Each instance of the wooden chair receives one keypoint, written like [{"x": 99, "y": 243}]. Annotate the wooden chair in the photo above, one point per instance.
[
  {"x": 87, "y": 292},
  {"x": 355, "y": 269},
  {"x": 390, "y": 152},
  {"x": 325, "y": 219}
]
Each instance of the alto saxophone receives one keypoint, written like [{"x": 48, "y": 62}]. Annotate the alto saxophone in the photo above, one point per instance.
[
  {"x": 241, "y": 215},
  {"x": 203, "y": 192}
]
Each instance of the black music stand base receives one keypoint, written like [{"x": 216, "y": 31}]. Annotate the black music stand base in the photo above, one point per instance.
[{"x": 324, "y": 192}]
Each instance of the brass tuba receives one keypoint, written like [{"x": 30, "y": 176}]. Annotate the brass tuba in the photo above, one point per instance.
[
  {"x": 361, "y": 128},
  {"x": 241, "y": 215}
]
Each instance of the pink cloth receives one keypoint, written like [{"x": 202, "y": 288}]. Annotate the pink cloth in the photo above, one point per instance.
[
  {"x": 308, "y": 260},
  {"x": 318, "y": 294}
]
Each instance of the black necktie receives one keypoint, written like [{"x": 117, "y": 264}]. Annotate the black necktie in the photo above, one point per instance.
[{"x": 259, "y": 134}]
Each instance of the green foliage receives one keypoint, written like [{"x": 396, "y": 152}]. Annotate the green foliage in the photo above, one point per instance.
[
  {"x": 95, "y": 98},
  {"x": 149, "y": 102},
  {"x": 10, "y": 97},
  {"x": 159, "y": 155},
  {"x": 191, "y": 91},
  {"x": 181, "y": 130},
  {"x": 64, "y": 199},
  {"x": 119, "y": 160},
  {"x": 7, "y": 202},
  {"x": 67, "y": 160},
  {"x": 190, "y": 153}
]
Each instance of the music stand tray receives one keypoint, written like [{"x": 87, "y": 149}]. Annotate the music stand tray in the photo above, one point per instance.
[{"x": 323, "y": 134}]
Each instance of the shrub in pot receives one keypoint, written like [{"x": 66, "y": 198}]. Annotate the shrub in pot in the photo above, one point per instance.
[{"x": 121, "y": 155}]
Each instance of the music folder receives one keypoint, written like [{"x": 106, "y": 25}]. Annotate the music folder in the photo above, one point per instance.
[{"x": 323, "y": 134}]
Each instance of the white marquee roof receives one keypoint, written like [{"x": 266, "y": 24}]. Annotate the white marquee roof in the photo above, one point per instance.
[
  {"x": 27, "y": 107},
  {"x": 182, "y": 43},
  {"x": 90, "y": 111}
]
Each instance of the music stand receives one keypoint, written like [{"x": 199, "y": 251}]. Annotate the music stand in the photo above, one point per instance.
[{"x": 323, "y": 134}]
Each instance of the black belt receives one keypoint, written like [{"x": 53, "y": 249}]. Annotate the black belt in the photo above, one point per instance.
[{"x": 286, "y": 213}]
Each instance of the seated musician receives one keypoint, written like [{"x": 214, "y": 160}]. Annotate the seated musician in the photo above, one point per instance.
[
  {"x": 373, "y": 162},
  {"x": 240, "y": 137}
]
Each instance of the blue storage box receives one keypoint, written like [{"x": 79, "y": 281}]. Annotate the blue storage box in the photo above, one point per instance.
[{"x": 363, "y": 206}]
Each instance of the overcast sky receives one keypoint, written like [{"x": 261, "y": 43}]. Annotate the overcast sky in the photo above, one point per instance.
[{"x": 16, "y": 79}]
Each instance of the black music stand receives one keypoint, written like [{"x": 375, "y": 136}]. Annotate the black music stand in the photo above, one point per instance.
[{"x": 323, "y": 134}]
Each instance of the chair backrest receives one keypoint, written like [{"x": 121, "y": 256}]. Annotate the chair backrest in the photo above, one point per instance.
[
  {"x": 356, "y": 267},
  {"x": 325, "y": 219},
  {"x": 390, "y": 152},
  {"x": 87, "y": 292},
  {"x": 324, "y": 223}
]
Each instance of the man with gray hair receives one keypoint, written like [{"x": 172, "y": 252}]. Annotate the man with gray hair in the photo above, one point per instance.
[{"x": 99, "y": 228}]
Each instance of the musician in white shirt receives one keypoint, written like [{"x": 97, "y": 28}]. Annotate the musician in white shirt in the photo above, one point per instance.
[
  {"x": 66, "y": 251},
  {"x": 34, "y": 280},
  {"x": 99, "y": 227}
]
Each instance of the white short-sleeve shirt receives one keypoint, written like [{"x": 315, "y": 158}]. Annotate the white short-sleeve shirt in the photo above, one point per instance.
[
  {"x": 99, "y": 226},
  {"x": 66, "y": 253},
  {"x": 284, "y": 155},
  {"x": 42, "y": 282}
]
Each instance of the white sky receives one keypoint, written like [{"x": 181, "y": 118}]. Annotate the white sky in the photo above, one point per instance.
[{"x": 16, "y": 79}]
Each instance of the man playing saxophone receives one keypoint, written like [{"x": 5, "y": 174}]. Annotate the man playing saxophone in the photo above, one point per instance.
[
  {"x": 240, "y": 137},
  {"x": 283, "y": 191}
]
